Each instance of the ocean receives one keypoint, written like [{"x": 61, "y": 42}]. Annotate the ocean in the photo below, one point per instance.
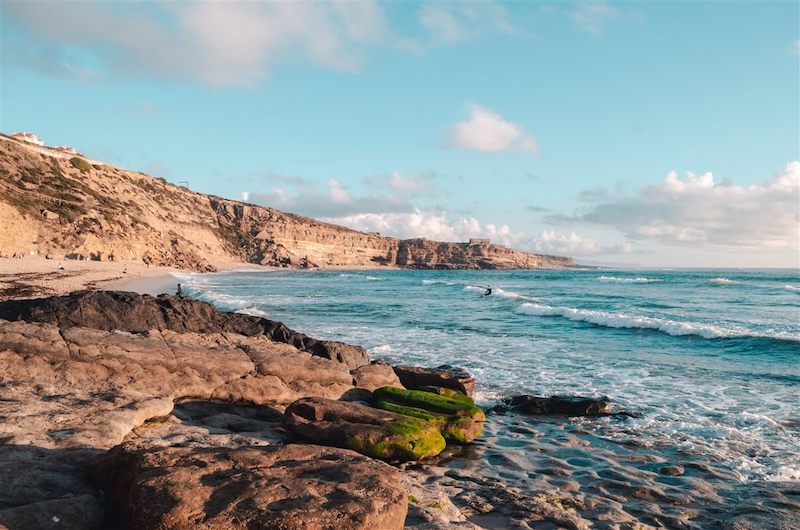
[{"x": 706, "y": 361}]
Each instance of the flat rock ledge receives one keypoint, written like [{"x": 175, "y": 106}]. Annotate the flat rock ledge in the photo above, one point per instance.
[
  {"x": 139, "y": 313},
  {"x": 289, "y": 487}
]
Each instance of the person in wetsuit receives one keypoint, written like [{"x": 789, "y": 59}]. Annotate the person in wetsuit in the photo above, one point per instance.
[{"x": 488, "y": 291}]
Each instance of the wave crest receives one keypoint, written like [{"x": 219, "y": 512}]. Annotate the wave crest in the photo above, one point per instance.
[
  {"x": 620, "y": 279},
  {"x": 665, "y": 325}
]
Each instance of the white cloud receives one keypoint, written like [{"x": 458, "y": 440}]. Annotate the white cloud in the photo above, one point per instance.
[
  {"x": 217, "y": 43},
  {"x": 699, "y": 212},
  {"x": 387, "y": 194},
  {"x": 593, "y": 16},
  {"x": 449, "y": 23},
  {"x": 488, "y": 132},
  {"x": 410, "y": 185},
  {"x": 432, "y": 224},
  {"x": 570, "y": 244}
]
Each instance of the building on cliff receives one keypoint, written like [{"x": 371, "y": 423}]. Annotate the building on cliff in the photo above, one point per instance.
[
  {"x": 478, "y": 241},
  {"x": 27, "y": 137}
]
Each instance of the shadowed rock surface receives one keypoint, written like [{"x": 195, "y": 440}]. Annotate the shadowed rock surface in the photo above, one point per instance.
[
  {"x": 290, "y": 487},
  {"x": 445, "y": 376},
  {"x": 135, "y": 313},
  {"x": 373, "y": 432}
]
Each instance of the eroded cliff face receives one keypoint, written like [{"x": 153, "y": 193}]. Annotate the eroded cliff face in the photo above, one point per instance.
[{"x": 60, "y": 205}]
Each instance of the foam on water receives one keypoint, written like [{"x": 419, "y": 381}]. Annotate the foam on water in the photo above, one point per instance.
[
  {"x": 723, "y": 281},
  {"x": 792, "y": 287},
  {"x": 618, "y": 279}
]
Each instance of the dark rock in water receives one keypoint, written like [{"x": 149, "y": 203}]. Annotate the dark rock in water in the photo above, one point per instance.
[
  {"x": 373, "y": 432},
  {"x": 445, "y": 376},
  {"x": 457, "y": 417},
  {"x": 672, "y": 471},
  {"x": 291, "y": 487},
  {"x": 556, "y": 405},
  {"x": 135, "y": 313}
]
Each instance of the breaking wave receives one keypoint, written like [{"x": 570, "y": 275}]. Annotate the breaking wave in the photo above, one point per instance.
[
  {"x": 723, "y": 281},
  {"x": 665, "y": 325},
  {"x": 618, "y": 279}
]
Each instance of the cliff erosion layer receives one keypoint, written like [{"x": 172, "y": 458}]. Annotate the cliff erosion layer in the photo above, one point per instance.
[{"x": 62, "y": 205}]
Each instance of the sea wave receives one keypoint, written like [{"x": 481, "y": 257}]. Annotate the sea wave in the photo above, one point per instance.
[
  {"x": 665, "y": 325},
  {"x": 791, "y": 287},
  {"x": 438, "y": 282},
  {"x": 723, "y": 281},
  {"x": 619, "y": 279}
]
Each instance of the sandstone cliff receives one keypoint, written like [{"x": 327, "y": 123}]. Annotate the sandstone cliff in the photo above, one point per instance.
[{"x": 57, "y": 204}]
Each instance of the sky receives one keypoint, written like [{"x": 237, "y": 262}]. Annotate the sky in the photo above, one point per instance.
[{"x": 639, "y": 133}]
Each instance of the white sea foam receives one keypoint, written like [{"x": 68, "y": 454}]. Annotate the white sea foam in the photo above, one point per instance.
[
  {"x": 791, "y": 287},
  {"x": 723, "y": 281},
  {"x": 620, "y": 279},
  {"x": 435, "y": 282},
  {"x": 668, "y": 326}
]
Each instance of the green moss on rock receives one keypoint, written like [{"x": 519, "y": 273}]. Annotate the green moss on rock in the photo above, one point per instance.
[
  {"x": 407, "y": 438},
  {"x": 458, "y": 418}
]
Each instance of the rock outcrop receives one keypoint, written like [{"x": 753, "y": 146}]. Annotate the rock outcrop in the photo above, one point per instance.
[
  {"x": 445, "y": 376},
  {"x": 291, "y": 487},
  {"x": 456, "y": 416},
  {"x": 135, "y": 313},
  {"x": 104, "y": 212},
  {"x": 373, "y": 432}
]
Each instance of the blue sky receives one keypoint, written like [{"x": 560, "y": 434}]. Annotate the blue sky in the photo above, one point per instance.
[{"x": 652, "y": 133}]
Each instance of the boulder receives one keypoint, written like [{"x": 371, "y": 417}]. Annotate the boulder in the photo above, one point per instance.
[
  {"x": 135, "y": 313},
  {"x": 375, "y": 375},
  {"x": 457, "y": 417},
  {"x": 373, "y": 432},
  {"x": 445, "y": 376},
  {"x": 556, "y": 405},
  {"x": 291, "y": 487}
]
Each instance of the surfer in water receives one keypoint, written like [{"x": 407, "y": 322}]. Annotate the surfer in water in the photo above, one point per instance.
[{"x": 488, "y": 291}]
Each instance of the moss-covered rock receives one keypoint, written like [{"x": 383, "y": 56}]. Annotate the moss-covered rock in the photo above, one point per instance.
[
  {"x": 457, "y": 417},
  {"x": 369, "y": 431}
]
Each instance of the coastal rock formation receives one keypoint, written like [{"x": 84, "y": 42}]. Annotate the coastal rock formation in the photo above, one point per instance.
[
  {"x": 375, "y": 375},
  {"x": 70, "y": 393},
  {"x": 292, "y": 487},
  {"x": 445, "y": 376},
  {"x": 456, "y": 416},
  {"x": 135, "y": 313},
  {"x": 556, "y": 405},
  {"x": 373, "y": 432},
  {"x": 102, "y": 212}
]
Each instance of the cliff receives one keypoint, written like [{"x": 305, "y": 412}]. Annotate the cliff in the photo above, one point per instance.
[{"x": 58, "y": 204}]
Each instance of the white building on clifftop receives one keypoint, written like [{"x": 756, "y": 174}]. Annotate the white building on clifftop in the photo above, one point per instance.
[{"x": 27, "y": 137}]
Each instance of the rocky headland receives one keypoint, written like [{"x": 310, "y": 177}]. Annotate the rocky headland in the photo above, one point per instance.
[{"x": 66, "y": 206}]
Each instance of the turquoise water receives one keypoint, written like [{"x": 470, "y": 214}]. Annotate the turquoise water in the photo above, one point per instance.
[{"x": 709, "y": 358}]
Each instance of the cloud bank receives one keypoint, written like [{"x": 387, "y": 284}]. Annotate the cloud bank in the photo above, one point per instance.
[
  {"x": 222, "y": 44},
  {"x": 700, "y": 212}
]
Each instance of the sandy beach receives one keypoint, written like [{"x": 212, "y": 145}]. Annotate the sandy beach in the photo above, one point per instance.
[{"x": 36, "y": 276}]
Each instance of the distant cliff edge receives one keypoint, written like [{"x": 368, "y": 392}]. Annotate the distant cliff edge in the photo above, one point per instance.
[{"x": 60, "y": 204}]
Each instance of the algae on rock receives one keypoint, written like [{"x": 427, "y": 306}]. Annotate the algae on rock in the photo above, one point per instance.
[{"x": 456, "y": 415}]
